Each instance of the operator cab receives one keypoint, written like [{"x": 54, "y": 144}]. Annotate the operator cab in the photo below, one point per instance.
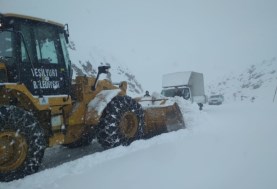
[
  {"x": 34, "y": 52},
  {"x": 182, "y": 91}
]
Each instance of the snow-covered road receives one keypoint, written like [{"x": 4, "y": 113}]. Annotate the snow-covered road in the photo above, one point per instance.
[{"x": 228, "y": 146}]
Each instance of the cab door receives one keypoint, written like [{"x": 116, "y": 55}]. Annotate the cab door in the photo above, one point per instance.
[{"x": 43, "y": 68}]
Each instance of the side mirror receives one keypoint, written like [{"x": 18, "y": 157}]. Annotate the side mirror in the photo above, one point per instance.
[{"x": 101, "y": 69}]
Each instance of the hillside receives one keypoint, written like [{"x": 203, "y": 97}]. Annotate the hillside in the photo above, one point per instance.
[
  {"x": 257, "y": 82},
  {"x": 88, "y": 67}
]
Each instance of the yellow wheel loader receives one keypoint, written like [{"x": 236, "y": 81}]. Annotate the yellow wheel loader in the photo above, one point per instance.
[{"x": 41, "y": 106}]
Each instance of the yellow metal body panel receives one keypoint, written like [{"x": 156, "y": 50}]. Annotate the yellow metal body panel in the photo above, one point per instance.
[
  {"x": 57, "y": 138},
  {"x": 73, "y": 111},
  {"x": 4, "y": 76},
  {"x": 83, "y": 94},
  {"x": 25, "y": 97}
]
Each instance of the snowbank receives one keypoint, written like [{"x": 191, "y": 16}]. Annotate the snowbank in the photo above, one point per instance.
[{"x": 228, "y": 146}]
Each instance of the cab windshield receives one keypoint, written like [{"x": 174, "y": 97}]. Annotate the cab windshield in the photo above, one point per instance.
[
  {"x": 172, "y": 92},
  {"x": 43, "y": 43}
]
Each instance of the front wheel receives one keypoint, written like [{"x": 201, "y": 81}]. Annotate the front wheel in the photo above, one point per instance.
[
  {"x": 121, "y": 123},
  {"x": 22, "y": 143}
]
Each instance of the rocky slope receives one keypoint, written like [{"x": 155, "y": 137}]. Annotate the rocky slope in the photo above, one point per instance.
[
  {"x": 83, "y": 65},
  {"x": 257, "y": 82}
]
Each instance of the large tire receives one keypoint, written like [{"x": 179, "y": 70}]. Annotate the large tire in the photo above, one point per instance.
[
  {"x": 121, "y": 123},
  {"x": 22, "y": 143}
]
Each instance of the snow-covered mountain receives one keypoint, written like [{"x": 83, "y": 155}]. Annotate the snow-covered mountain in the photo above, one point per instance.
[
  {"x": 257, "y": 82},
  {"x": 88, "y": 64}
]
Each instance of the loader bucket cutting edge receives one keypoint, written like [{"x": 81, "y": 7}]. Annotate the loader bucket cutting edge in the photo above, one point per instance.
[{"x": 162, "y": 119}]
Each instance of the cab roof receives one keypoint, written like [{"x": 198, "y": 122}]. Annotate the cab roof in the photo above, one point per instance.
[{"x": 12, "y": 15}]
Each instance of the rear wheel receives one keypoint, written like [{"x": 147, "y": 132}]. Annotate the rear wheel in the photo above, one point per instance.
[
  {"x": 22, "y": 143},
  {"x": 121, "y": 123}
]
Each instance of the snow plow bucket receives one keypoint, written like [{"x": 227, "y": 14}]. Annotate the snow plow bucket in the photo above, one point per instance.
[{"x": 161, "y": 117}]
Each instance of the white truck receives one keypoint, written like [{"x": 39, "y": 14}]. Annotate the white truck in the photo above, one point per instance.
[{"x": 188, "y": 84}]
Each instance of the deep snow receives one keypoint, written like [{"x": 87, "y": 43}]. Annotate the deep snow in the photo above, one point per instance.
[{"x": 227, "y": 146}]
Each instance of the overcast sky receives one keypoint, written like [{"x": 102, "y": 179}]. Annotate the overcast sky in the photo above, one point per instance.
[{"x": 154, "y": 37}]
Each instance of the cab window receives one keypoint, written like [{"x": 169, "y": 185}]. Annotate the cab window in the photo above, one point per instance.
[
  {"x": 42, "y": 42},
  {"x": 6, "y": 49},
  {"x": 46, "y": 45}
]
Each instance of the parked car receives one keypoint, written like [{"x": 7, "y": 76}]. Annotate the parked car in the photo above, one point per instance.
[{"x": 216, "y": 99}]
